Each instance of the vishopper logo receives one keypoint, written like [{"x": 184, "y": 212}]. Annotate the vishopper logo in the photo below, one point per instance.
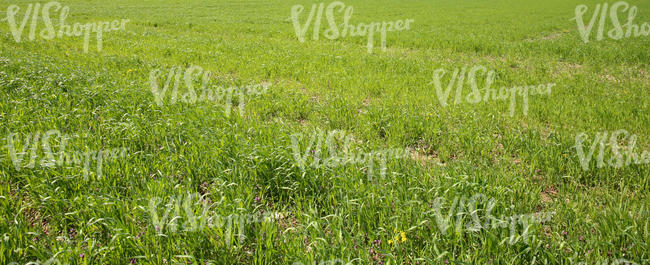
[
  {"x": 334, "y": 149},
  {"x": 620, "y": 155},
  {"x": 326, "y": 262},
  {"x": 18, "y": 149},
  {"x": 461, "y": 78},
  {"x": 50, "y": 32},
  {"x": 614, "y": 262},
  {"x": 467, "y": 211},
  {"x": 618, "y": 31},
  {"x": 207, "y": 92},
  {"x": 348, "y": 30},
  {"x": 198, "y": 215},
  {"x": 51, "y": 261}
]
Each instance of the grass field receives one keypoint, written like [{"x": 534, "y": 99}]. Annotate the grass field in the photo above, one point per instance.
[{"x": 219, "y": 182}]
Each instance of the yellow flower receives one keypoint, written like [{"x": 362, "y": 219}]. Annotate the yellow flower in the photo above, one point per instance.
[
  {"x": 403, "y": 236},
  {"x": 390, "y": 241}
]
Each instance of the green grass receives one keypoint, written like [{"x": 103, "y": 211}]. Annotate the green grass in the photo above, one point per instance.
[{"x": 244, "y": 163}]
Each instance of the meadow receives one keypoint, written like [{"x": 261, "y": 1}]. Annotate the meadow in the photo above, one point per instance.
[{"x": 215, "y": 178}]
